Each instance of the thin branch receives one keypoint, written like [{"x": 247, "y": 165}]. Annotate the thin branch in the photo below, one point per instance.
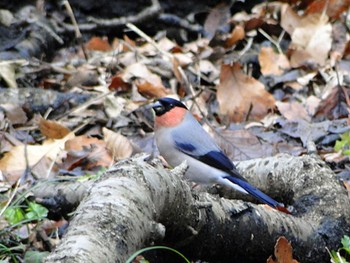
[
  {"x": 78, "y": 34},
  {"x": 150, "y": 12},
  {"x": 274, "y": 42}
]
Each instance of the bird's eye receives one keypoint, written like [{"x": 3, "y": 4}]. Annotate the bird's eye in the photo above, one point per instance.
[{"x": 159, "y": 110}]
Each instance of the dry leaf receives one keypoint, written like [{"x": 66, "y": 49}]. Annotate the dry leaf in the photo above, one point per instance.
[
  {"x": 137, "y": 70},
  {"x": 217, "y": 18},
  {"x": 237, "y": 34},
  {"x": 311, "y": 40},
  {"x": 8, "y": 71},
  {"x": 283, "y": 252},
  {"x": 92, "y": 150},
  {"x": 272, "y": 63},
  {"x": 118, "y": 84},
  {"x": 293, "y": 111},
  {"x": 83, "y": 77},
  {"x": 78, "y": 143},
  {"x": 118, "y": 145},
  {"x": 98, "y": 44},
  {"x": 238, "y": 92},
  {"x": 150, "y": 90},
  {"x": 335, "y": 105},
  {"x": 14, "y": 162},
  {"x": 290, "y": 20},
  {"x": 333, "y": 8},
  {"x": 15, "y": 113},
  {"x": 52, "y": 129}
]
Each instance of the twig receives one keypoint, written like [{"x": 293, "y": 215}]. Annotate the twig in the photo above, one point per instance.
[
  {"x": 176, "y": 21},
  {"x": 145, "y": 14},
  {"x": 148, "y": 39},
  {"x": 84, "y": 105},
  {"x": 274, "y": 42},
  {"x": 246, "y": 48},
  {"x": 11, "y": 197},
  {"x": 78, "y": 34}
]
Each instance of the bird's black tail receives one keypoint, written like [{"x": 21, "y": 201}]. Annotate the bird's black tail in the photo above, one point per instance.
[{"x": 257, "y": 193}]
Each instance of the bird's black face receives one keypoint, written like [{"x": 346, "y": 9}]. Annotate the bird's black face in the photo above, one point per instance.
[{"x": 164, "y": 105}]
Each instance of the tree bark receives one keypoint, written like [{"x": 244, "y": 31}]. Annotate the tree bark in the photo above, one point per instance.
[{"x": 137, "y": 204}]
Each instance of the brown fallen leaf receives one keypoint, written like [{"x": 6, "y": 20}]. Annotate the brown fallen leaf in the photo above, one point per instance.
[
  {"x": 311, "y": 41},
  {"x": 150, "y": 90},
  {"x": 333, "y": 8},
  {"x": 117, "y": 145},
  {"x": 272, "y": 63},
  {"x": 293, "y": 111},
  {"x": 83, "y": 77},
  {"x": 290, "y": 20},
  {"x": 335, "y": 105},
  {"x": 87, "y": 152},
  {"x": 238, "y": 92},
  {"x": 347, "y": 185},
  {"x": 52, "y": 129},
  {"x": 283, "y": 252},
  {"x": 237, "y": 34},
  {"x": 118, "y": 84},
  {"x": 98, "y": 44},
  {"x": 78, "y": 143},
  {"x": 14, "y": 113},
  {"x": 14, "y": 162},
  {"x": 150, "y": 83}
]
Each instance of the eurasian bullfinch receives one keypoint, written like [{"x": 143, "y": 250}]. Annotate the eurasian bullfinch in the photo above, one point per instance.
[{"x": 180, "y": 138}]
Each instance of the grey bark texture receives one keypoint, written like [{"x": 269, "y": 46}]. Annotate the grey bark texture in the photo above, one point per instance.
[{"x": 137, "y": 204}]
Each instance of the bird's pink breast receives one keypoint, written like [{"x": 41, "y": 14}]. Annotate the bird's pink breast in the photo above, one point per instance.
[{"x": 171, "y": 118}]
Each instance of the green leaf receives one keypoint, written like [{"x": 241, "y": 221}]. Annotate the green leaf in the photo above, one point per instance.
[
  {"x": 335, "y": 257},
  {"x": 346, "y": 243},
  {"x": 36, "y": 211},
  {"x": 339, "y": 145},
  {"x": 14, "y": 215},
  {"x": 345, "y": 137},
  {"x": 35, "y": 256}
]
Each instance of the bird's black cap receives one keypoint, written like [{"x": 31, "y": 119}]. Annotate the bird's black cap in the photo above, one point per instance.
[{"x": 163, "y": 105}]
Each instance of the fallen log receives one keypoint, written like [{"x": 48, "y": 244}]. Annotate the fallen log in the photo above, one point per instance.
[{"x": 137, "y": 204}]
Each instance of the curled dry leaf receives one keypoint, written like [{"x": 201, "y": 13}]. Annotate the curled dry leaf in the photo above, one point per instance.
[
  {"x": 8, "y": 71},
  {"x": 335, "y": 105},
  {"x": 118, "y": 84},
  {"x": 52, "y": 129},
  {"x": 237, "y": 34},
  {"x": 118, "y": 145},
  {"x": 148, "y": 83},
  {"x": 238, "y": 92},
  {"x": 283, "y": 252},
  {"x": 150, "y": 90},
  {"x": 272, "y": 63}
]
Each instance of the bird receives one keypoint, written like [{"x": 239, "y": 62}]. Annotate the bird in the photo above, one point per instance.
[{"x": 180, "y": 137}]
